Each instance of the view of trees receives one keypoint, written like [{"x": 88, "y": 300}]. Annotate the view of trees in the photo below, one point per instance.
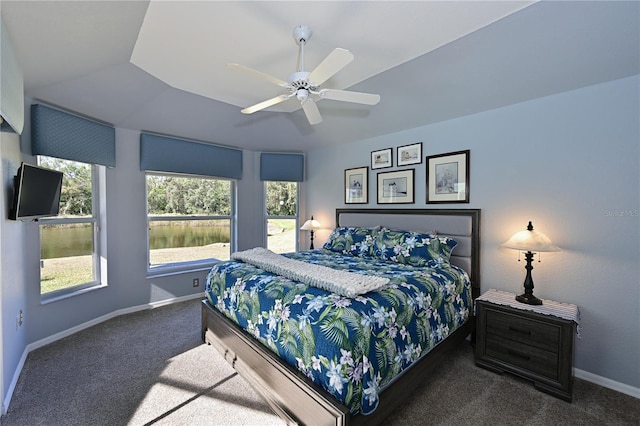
[
  {"x": 282, "y": 198},
  {"x": 75, "y": 199},
  {"x": 167, "y": 194},
  {"x": 188, "y": 196}
]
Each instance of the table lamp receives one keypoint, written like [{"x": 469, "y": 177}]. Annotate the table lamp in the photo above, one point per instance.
[
  {"x": 530, "y": 241},
  {"x": 311, "y": 225}
]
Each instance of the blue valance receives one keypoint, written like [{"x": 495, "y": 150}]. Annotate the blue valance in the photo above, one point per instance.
[
  {"x": 55, "y": 133},
  {"x": 282, "y": 167},
  {"x": 165, "y": 154}
]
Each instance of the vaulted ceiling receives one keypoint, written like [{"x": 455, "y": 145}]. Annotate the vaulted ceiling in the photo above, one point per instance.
[{"x": 161, "y": 66}]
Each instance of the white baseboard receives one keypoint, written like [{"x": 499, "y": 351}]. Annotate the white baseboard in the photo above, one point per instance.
[
  {"x": 12, "y": 385},
  {"x": 54, "y": 337},
  {"x": 607, "y": 383}
]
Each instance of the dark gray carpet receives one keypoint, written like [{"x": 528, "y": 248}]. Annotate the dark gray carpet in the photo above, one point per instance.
[{"x": 152, "y": 368}]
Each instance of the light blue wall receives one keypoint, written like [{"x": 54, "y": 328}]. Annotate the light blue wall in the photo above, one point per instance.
[
  {"x": 12, "y": 279},
  {"x": 571, "y": 164}
]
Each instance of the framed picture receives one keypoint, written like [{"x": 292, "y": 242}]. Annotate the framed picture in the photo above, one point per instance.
[
  {"x": 396, "y": 187},
  {"x": 448, "y": 178},
  {"x": 356, "y": 185},
  {"x": 409, "y": 154},
  {"x": 382, "y": 158}
]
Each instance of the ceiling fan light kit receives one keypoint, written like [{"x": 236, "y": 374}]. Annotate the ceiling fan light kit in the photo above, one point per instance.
[{"x": 303, "y": 84}]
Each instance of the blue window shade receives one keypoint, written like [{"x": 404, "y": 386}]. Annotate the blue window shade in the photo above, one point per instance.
[
  {"x": 55, "y": 133},
  {"x": 282, "y": 167},
  {"x": 164, "y": 154}
]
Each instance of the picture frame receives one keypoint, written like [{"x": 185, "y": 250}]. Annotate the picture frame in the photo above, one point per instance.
[
  {"x": 396, "y": 187},
  {"x": 356, "y": 185},
  {"x": 448, "y": 177},
  {"x": 382, "y": 158},
  {"x": 409, "y": 154}
]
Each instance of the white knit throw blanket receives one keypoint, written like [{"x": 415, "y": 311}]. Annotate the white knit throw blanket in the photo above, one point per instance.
[{"x": 344, "y": 283}]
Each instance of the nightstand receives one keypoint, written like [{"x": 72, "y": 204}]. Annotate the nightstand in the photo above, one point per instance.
[{"x": 533, "y": 342}]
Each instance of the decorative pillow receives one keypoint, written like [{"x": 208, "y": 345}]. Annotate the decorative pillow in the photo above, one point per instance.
[
  {"x": 412, "y": 248},
  {"x": 352, "y": 241}
]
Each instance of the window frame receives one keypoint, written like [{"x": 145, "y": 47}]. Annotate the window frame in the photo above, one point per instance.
[
  {"x": 191, "y": 265},
  {"x": 95, "y": 220},
  {"x": 266, "y": 215}
]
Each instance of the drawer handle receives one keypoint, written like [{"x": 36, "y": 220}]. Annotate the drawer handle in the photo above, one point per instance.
[
  {"x": 520, "y": 330},
  {"x": 519, "y": 354}
]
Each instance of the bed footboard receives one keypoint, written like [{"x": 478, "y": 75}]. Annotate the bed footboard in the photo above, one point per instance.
[
  {"x": 288, "y": 392},
  {"x": 295, "y": 398}
]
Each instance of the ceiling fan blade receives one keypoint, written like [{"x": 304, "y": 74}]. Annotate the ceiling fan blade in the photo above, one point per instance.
[
  {"x": 311, "y": 111},
  {"x": 265, "y": 104},
  {"x": 347, "y": 96},
  {"x": 267, "y": 77},
  {"x": 333, "y": 63}
]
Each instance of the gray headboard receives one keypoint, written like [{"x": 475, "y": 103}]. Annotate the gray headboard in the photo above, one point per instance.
[{"x": 461, "y": 224}]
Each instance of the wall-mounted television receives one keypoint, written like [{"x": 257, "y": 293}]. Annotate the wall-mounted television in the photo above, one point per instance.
[{"x": 36, "y": 193}]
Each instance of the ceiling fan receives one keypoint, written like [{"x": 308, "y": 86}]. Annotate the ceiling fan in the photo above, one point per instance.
[{"x": 305, "y": 86}]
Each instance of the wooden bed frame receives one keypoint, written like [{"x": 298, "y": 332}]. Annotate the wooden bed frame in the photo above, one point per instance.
[{"x": 294, "y": 397}]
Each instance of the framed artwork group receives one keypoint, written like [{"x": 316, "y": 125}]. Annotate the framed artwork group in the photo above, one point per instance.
[{"x": 447, "y": 177}]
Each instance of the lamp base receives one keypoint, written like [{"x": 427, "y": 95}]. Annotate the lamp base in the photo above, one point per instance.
[{"x": 529, "y": 299}]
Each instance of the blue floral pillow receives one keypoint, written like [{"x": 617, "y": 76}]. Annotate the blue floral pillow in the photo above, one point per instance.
[
  {"x": 412, "y": 248},
  {"x": 352, "y": 241}
]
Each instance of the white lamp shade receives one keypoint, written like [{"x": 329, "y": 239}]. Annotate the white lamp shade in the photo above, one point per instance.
[
  {"x": 530, "y": 240},
  {"x": 310, "y": 225}
]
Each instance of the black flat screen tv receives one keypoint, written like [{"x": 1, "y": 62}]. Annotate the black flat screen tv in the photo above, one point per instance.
[{"x": 36, "y": 193}]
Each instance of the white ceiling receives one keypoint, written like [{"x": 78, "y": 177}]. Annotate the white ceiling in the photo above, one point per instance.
[
  {"x": 161, "y": 66},
  {"x": 209, "y": 35}
]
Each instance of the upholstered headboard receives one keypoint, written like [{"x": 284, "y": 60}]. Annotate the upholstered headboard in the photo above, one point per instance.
[{"x": 461, "y": 224}]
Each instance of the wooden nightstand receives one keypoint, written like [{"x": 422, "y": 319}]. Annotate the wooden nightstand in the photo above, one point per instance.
[{"x": 534, "y": 342}]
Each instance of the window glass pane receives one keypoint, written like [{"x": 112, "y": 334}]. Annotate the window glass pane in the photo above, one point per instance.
[
  {"x": 76, "y": 198},
  {"x": 67, "y": 250},
  {"x": 66, "y": 256},
  {"x": 179, "y": 229},
  {"x": 282, "y": 198},
  {"x": 175, "y": 241},
  {"x": 281, "y": 236},
  {"x": 177, "y": 195},
  {"x": 282, "y": 212}
]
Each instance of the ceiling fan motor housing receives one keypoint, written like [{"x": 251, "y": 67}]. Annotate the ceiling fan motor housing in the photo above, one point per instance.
[{"x": 299, "y": 80}]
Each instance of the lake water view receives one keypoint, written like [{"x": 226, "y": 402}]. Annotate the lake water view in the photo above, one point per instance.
[{"x": 65, "y": 241}]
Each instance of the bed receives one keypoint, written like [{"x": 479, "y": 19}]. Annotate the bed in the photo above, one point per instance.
[{"x": 262, "y": 323}]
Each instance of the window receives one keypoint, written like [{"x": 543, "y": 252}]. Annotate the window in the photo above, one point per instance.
[
  {"x": 282, "y": 216},
  {"x": 69, "y": 243},
  {"x": 190, "y": 220}
]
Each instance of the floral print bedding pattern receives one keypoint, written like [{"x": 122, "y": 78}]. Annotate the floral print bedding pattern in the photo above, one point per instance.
[{"x": 350, "y": 347}]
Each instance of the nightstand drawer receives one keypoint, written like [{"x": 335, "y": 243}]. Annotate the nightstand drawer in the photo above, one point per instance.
[
  {"x": 523, "y": 330},
  {"x": 536, "y": 360}
]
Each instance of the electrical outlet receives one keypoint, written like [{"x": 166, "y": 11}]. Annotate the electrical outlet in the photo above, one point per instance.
[
  {"x": 19, "y": 319},
  {"x": 196, "y": 282}
]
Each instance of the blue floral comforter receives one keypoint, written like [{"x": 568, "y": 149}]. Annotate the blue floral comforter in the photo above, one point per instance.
[{"x": 350, "y": 347}]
